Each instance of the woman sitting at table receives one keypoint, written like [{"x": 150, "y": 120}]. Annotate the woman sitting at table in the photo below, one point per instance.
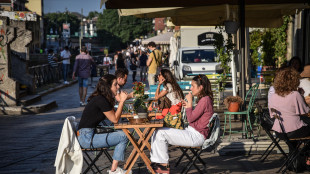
[
  {"x": 290, "y": 104},
  {"x": 197, "y": 131},
  {"x": 171, "y": 90},
  {"x": 99, "y": 107}
]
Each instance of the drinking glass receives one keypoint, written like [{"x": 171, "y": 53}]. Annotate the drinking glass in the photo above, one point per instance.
[
  {"x": 155, "y": 107},
  {"x": 130, "y": 109}
]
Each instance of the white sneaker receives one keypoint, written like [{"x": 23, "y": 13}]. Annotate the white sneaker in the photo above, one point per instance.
[
  {"x": 119, "y": 171},
  {"x": 66, "y": 82},
  {"x": 81, "y": 103}
]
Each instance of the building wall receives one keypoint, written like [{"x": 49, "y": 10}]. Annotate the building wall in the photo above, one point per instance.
[{"x": 35, "y": 6}]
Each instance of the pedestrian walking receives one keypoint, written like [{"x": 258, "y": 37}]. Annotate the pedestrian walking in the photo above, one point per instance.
[
  {"x": 81, "y": 69},
  {"x": 133, "y": 66},
  {"x": 143, "y": 67},
  {"x": 120, "y": 63},
  {"x": 65, "y": 56},
  {"x": 153, "y": 62},
  {"x": 53, "y": 65}
]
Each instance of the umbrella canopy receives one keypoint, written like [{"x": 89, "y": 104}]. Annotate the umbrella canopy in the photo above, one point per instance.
[
  {"x": 266, "y": 16},
  {"x": 121, "y": 4},
  {"x": 160, "y": 39}
]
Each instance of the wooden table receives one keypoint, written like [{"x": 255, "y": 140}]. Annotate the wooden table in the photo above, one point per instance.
[{"x": 143, "y": 141}]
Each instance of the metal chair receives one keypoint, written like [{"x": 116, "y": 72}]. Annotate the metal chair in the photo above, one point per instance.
[
  {"x": 91, "y": 162},
  {"x": 264, "y": 119},
  {"x": 295, "y": 151},
  {"x": 207, "y": 146},
  {"x": 252, "y": 91}
]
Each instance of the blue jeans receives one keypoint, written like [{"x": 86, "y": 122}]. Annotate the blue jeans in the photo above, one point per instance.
[
  {"x": 83, "y": 82},
  {"x": 117, "y": 139},
  {"x": 65, "y": 69}
]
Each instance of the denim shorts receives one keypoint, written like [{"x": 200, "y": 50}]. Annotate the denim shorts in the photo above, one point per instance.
[{"x": 83, "y": 82}]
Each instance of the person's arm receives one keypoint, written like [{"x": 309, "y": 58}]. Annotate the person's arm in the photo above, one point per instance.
[
  {"x": 158, "y": 93},
  {"x": 193, "y": 115},
  {"x": 75, "y": 68},
  {"x": 149, "y": 60},
  {"x": 115, "y": 116}
]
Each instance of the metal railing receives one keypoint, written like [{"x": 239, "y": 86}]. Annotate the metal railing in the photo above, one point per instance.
[{"x": 46, "y": 74}]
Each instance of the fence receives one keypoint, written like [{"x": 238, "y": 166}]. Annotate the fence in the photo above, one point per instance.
[{"x": 45, "y": 74}]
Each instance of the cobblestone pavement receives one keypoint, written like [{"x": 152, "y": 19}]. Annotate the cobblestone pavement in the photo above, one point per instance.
[{"x": 29, "y": 142}]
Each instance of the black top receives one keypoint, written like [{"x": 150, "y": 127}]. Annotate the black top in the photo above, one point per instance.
[
  {"x": 143, "y": 59},
  {"x": 120, "y": 63},
  {"x": 93, "y": 112}
]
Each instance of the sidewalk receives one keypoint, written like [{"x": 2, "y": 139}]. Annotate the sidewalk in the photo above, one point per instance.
[{"x": 29, "y": 142}]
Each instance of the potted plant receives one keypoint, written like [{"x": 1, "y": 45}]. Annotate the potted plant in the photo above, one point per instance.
[
  {"x": 139, "y": 105},
  {"x": 233, "y": 103}
]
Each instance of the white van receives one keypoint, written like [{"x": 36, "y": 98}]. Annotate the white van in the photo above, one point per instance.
[{"x": 192, "y": 61}]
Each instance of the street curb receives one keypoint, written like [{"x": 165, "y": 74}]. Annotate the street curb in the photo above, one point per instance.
[{"x": 46, "y": 92}]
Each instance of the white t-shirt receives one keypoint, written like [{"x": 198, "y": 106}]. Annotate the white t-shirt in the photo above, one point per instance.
[
  {"x": 106, "y": 60},
  {"x": 172, "y": 95},
  {"x": 305, "y": 85},
  {"x": 65, "y": 54}
]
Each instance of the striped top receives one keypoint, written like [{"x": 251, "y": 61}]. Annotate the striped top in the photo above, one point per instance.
[
  {"x": 51, "y": 61},
  {"x": 82, "y": 65}
]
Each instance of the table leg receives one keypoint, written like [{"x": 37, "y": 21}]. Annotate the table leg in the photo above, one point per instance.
[
  {"x": 134, "y": 151},
  {"x": 139, "y": 150}
]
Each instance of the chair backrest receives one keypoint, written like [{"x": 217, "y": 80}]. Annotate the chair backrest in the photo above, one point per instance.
[
  {"x": 214, "y": 136},
  {"x": 253, "y": 91}
]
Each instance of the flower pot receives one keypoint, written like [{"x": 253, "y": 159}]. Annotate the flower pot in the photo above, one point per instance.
[
  {"x": 233, "y": 107},
  {"x": 231, "y": 27}
]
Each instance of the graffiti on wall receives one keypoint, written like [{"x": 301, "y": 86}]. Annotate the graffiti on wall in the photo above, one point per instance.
[{"x": 20, "y": 15}]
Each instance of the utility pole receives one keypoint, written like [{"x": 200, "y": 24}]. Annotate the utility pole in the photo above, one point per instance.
[{"x": 81, "y": 35}]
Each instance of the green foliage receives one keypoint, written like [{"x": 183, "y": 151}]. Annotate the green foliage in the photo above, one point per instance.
[
  {"x": 117, "y": 31},
  {"x": 92, "y": 14},
  {"x": 273, "y": 44},
  {"x": 223, "y": 50},
  {"x": 55, "y": 21}
]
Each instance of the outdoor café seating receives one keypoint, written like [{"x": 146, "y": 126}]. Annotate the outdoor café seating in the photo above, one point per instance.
[
  {"x": 209, "y": 145},
  {"x": 246, "y": 113},
  {"x": 92, "y": 155},
  {"x": 293, "y": 160}
]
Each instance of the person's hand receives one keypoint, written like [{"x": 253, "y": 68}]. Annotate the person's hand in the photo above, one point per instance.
[
  {"x": 189, "y": 97},
  {"x": 123, "y": 96},
  {"x": 186, "y": 104},
  {"x": 161, "y": 81}
]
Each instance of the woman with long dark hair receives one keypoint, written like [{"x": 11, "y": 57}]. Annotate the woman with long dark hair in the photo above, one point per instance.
[
  {"x": 171, "y": 90},
  {"x": 100, "y": 106},
  {"x": 120, "y": 62},
  {"x": 197, "y": 131}
]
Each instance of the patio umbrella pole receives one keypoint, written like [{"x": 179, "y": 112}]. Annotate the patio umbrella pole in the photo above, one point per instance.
[{"x": 242, "y": 42}]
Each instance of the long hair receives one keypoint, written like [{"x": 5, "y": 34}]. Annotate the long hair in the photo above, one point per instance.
[
  {"x": 206, "y": 84},
  {"x": 170, "y": 79},
  {"x": 104, "y": 88},
  {"x": 286, "y": 81}
]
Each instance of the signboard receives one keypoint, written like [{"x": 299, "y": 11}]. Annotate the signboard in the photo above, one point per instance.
[
  {"x": 20, "y": 15},
  {"x": 66, "y": 30},
  {"x": 207, "y": 38}
]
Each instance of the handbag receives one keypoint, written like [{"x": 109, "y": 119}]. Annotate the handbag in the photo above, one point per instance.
[
  {"x": 173, "y": 121},
  {"x": 103, "y": 130},
  {"x": 164, "y": 102}
]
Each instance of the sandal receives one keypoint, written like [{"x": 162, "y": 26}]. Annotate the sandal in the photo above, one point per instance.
[{"x": 160, "y": 168}]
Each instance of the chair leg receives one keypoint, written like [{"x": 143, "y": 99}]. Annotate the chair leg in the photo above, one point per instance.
[
  {"x": 184, "y": 150},
  {"x": 189, "y": 164},
  {"x": 93, "y": 162},
  {"x": 224, "y": 129},
  {"x": 229, "y": 127},
  {"x": 192, "y": 161},
  {"x": 87, "y": 166},
  {"x": 108, "y": 155},
  {"x": 250, "y": 125}
]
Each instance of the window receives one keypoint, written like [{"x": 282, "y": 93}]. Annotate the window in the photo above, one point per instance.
[{"x": 198, "y": 56}]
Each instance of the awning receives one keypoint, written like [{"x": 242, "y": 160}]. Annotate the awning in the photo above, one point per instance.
[
  {"x": 160, "y": 39},
  {"x": 265, "y": 16},
  {"x": 121, "y": 4}
]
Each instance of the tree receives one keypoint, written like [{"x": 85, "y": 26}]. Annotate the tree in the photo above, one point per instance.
[
  {"x": 117, "y": 32},
  {"x": 92, "y": 14},
  {"x": 55, "y": 20}
]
